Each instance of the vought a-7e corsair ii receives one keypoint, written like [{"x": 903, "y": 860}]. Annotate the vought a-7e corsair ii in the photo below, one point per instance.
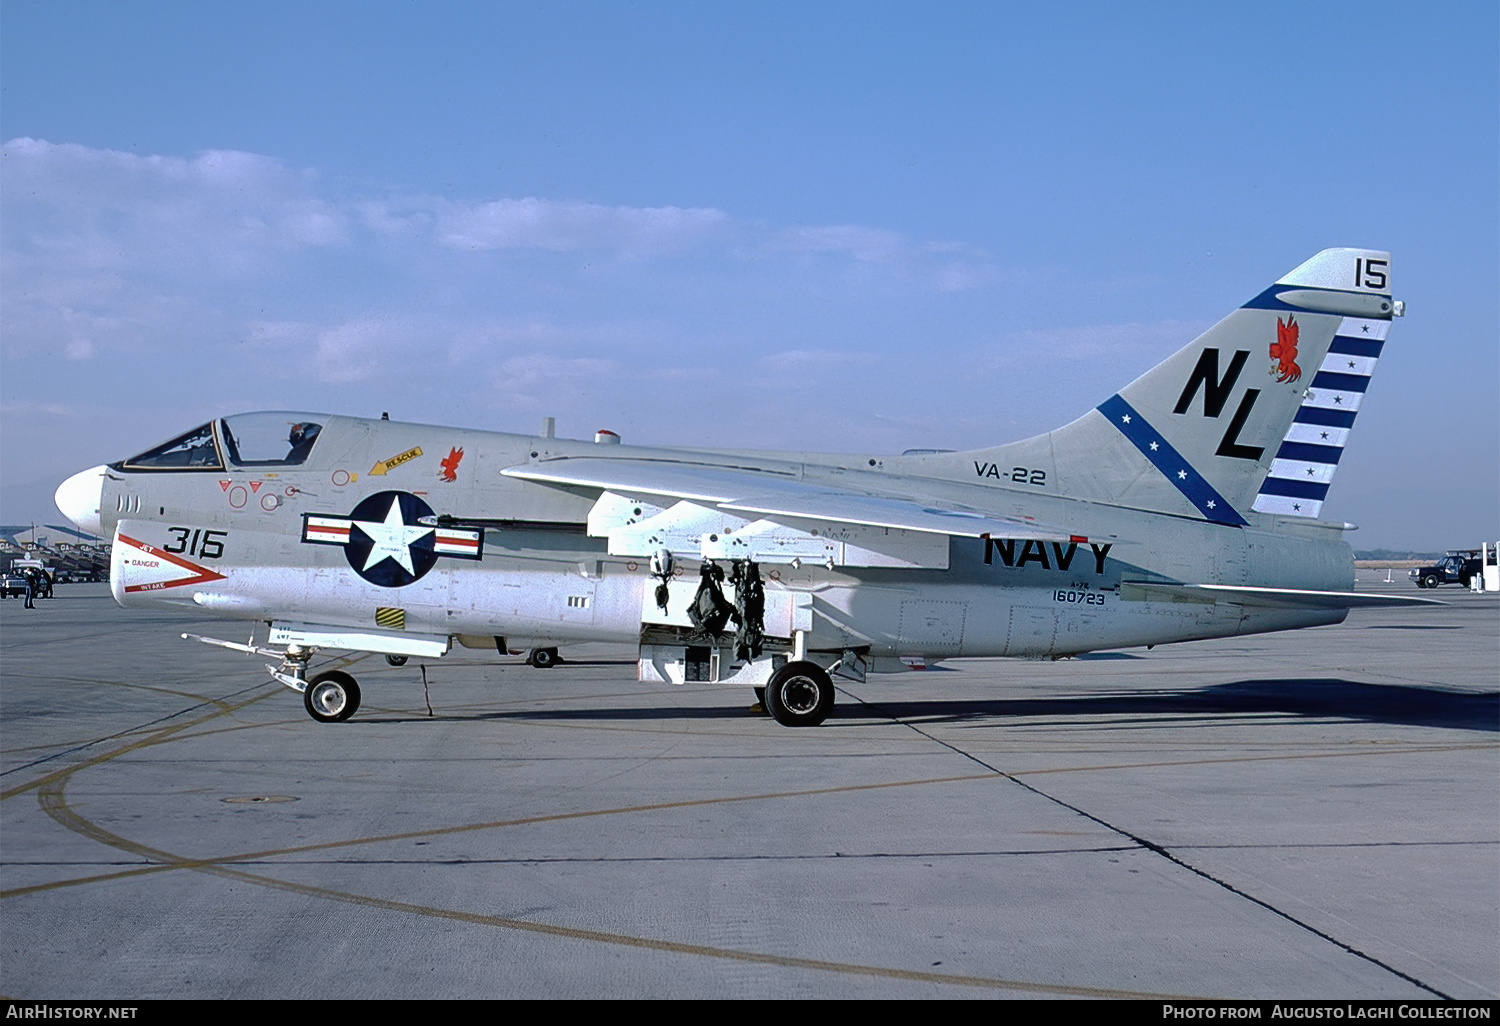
[{"x": 1183, "y": 507}]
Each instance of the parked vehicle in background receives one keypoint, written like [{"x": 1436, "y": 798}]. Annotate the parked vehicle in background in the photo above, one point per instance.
[{"x": 1457, "y": 567}]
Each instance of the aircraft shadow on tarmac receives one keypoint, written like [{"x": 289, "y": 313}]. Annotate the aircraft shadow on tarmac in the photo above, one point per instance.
[{"x": 1318, "y": 698}]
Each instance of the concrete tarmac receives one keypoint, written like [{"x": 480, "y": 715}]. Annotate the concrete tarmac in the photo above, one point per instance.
[{"x": 1304, "y": 815}]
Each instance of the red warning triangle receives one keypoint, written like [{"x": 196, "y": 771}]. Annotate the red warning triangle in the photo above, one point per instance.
[{"x": 154, "y": 569}]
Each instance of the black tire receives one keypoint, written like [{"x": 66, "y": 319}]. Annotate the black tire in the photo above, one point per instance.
[
  {"x": 544, "y": 658},
  {"x": 799, "y": 695},
  {"x": 331, "y": 697},
  {"x": 396, "y": 660},
  {"x": 1430, "y": 581}
]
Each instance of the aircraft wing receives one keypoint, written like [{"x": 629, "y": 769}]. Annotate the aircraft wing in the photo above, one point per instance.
[
  {"x": 1278, "y": 598},
  {"x": 781, "y": 497}
]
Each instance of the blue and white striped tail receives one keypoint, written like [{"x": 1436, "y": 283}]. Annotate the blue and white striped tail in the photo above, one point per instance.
[{"x": 1309, "y": 454}]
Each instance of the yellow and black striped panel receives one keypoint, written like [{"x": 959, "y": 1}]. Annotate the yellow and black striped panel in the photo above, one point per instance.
[{"x": 387, "y": 616}]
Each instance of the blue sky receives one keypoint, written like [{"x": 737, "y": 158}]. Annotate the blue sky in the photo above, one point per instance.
[{"x": 822, "y": 226}]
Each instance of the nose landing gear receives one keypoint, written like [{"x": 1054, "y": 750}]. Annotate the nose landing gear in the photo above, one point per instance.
[{"x": 331, "y": 697}]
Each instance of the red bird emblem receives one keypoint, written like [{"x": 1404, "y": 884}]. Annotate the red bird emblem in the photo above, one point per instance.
[
  {"x": 1284, "y": 350},
  {"x": 450, "y": 463}
]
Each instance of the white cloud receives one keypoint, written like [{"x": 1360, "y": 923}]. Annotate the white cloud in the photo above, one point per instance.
[
  {"x": 359, "y": 350},
  {"x": 533, "y": 223},
  {"x": 26, "y": 410},
  {"x": 157, "y": 289},
  {"x": 1112, "y": 344},
  {"x": 107, "y": 209},
  {"x": 867, "y": 245},
  {"x": 811, "y": 368},
  {"x": 945, "y": 266},
  {"x": 87, "y": 227},
  {"x": 542, "y": 380}
]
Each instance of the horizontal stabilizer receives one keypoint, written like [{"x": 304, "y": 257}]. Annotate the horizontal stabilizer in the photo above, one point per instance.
[{"x": 1275, "y": 598}]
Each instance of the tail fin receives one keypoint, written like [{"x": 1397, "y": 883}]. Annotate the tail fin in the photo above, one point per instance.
[{"x": 1204, "y": 435}]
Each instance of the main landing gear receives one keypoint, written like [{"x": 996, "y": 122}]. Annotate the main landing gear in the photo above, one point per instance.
[
  {"x": 544, "y": 658},
  {"x": 800, "y": 694}
]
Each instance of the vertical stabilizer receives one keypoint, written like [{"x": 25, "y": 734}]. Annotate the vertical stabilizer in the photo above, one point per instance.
[{"x": 1252, "y": 415}]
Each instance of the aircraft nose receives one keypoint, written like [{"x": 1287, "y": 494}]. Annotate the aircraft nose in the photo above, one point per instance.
[{"x": 78, "y": 497}]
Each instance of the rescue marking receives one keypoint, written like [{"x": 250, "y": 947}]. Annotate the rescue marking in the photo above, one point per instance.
[{"x": 395, "y": 461}]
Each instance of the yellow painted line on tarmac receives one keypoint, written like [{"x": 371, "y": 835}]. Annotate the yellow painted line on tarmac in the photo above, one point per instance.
[
  {"x": 51, "y": 797},
  {"x": 161, "y": 736},
  {"x": 702, "y": 950},
  {"x": 55, "y": 803},
  {"x": 51, "y": 801}
]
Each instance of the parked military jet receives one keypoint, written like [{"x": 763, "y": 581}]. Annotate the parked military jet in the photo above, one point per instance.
[{"x": 1183, "y": 507}]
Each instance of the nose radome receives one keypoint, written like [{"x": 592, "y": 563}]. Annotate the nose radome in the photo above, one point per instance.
[{"x": 78, "y": 498}]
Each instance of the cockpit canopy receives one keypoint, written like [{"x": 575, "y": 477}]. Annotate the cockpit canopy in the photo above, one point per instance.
[{"x": 278, "y": 439}]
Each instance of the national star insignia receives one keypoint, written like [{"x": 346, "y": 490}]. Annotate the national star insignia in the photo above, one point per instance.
[
  {"x": 1125, "y": 419},
  {"x": 1182, "y": 475},
  {"x": 1154, "y": 446},
  {"x": 392, "y": 538}
]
